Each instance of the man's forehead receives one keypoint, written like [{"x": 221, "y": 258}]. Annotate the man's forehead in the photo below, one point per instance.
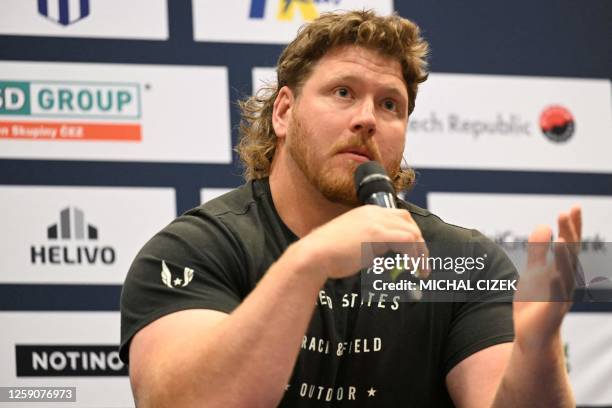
[{"x": 336, "y": 61}]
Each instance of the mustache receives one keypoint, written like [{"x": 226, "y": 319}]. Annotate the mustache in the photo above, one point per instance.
[
  {"x": 367, "y": 145},
  {"x": 358, "y": 143}
]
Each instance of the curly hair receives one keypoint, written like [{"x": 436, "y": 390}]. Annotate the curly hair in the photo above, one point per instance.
[{"x": 392, "y": 36}]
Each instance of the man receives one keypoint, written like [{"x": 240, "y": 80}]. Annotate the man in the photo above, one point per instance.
[{"x": 253, "y": 299}]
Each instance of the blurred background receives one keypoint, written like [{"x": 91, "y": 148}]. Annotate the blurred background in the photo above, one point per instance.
[{"x": 118, "y": 115}]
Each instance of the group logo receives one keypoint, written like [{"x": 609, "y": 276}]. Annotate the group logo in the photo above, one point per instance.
[
  {"x": 557, "y": 124},
  {"x": 64, "y": 12},
  {"x": 69, "y": 101},
  {"x": 286, "y": 10},
  {"x": 77, "y": 243}
]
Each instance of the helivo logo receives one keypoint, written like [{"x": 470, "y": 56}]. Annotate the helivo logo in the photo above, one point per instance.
[
  {"x": 68, "y": 361},
  {"x": 64, "y": 12},
  {"x": 557, "y": 123},
  {"x": 72, "y": 227}
]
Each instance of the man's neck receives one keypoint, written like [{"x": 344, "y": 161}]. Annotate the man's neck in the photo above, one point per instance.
[{"x": 299, "y": 204}]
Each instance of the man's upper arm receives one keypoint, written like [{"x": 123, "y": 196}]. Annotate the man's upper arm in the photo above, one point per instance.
[
  {"x": 190, "y": 264},
  {"x": 162, "y": 339},
  {"x": 473, "y": 382}
]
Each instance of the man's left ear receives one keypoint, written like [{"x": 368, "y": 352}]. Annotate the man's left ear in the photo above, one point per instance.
[{"x": 281, "y": 112}]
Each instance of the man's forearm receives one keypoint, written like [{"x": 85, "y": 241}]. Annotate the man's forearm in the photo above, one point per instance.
[
  {"x": 247, "y": 359},
  {"x": 536, "y": 377}
]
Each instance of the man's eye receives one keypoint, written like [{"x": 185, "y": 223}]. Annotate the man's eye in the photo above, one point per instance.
[
  {"x": 390, "y": 105},
  {"x": 343, "y": 92}
]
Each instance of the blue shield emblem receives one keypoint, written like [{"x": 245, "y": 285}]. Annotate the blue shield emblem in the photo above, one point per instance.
[{"x": 64, "y": 12}]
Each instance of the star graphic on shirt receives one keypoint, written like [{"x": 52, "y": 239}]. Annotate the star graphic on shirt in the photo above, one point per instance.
[
  {"x": 371, "y": 392},
  {"x": 177, "y": 281}
]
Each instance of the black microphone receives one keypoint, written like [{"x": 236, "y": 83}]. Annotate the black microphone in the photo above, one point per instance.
[{"x": 373, "y": 186}]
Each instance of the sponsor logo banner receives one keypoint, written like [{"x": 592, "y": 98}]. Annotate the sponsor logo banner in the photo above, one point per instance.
[
  {"x": 129, "y": 19},
  {"x": 75, "y": 234},
  {"x": 114, "y": 112},
  {"x": 514, "y": 123},
  {"x": 509, "y": 219},
  {"x": 587, "y": 339},
  {"x": 512, "y": 217},
  {"x": 267, "y": 21},
  {"x": 60, "y": 99},
  {"x": 68, "y": 361},
  {"x": 65, "y": 349}
]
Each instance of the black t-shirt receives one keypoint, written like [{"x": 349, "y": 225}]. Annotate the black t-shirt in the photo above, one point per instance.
[{"x": 358, "y": 351}]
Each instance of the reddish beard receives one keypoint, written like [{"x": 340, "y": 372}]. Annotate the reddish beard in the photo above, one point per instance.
[{"x": 335, "y": 184}]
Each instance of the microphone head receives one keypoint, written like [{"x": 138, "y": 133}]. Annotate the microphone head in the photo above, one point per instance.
[{"x": 370, "y": 178}]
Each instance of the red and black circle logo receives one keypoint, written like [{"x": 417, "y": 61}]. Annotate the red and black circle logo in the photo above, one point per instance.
[{"x": 557, "y": 123}]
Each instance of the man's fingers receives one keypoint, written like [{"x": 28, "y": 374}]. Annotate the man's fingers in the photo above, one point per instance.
[
  {"x": 566, "y": 229},
  {"x": 401, "y": 234},
  {"x": 405, "y": 214},
  {"x": 539, "y": 242},
  {"x": 419, "y": 252},
  {"x": 570, "y": 227},
  {"x": 420, "y": 247},
  {"x": 565, "y": 267},
  {"x": 576, "y": 219}
]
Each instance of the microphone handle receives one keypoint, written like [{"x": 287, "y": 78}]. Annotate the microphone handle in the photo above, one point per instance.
[{"x": 382, "y": 199}]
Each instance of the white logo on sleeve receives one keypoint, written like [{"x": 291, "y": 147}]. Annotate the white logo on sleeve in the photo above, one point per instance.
[{"x": 166, "y": 276}]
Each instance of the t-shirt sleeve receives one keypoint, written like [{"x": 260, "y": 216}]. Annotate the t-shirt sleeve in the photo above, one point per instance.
[
  {"x": 483, "y": 319},
  {"x": 193, "y": 263}
]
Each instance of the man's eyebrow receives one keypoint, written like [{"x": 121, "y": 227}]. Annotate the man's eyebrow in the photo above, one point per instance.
[{"x": 395, "y": 91}]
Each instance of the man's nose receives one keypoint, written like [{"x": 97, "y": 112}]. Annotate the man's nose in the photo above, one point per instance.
[{"x": 364, "y": 120}]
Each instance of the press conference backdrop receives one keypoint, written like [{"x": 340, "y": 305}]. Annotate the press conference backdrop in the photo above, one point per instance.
[{"x": 117, "y": 115}]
